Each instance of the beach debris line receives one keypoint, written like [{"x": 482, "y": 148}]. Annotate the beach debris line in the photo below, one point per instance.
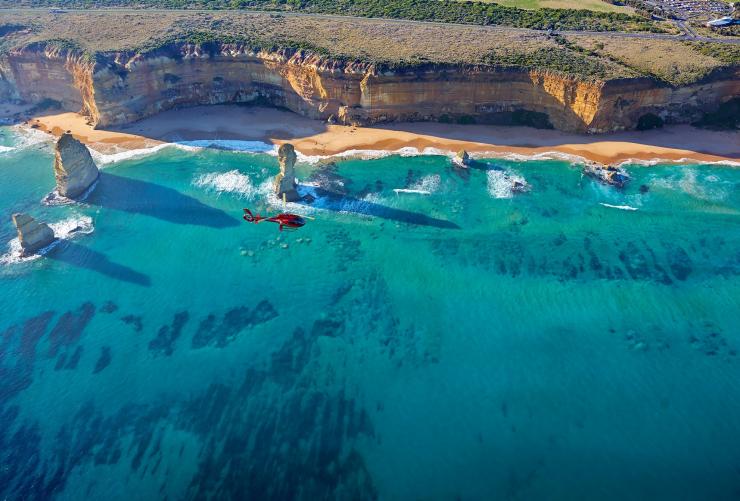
[
  {"x": 285, "y": 219},
  {"x": 607, "y": 174},
  {"x": 33, "y": 235}
]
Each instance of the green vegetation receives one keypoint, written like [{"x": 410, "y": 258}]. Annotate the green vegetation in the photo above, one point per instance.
[
  {"x": 210, "y": 41},
  {"x": 597, "y": 5},
  {"x": 727, "y": 53},
  {"x": 392, "y": 45},
  {"x": 557, "y": 59},
  {"x": 449, "y": 11},
  {"x": 674, "y": 62}
]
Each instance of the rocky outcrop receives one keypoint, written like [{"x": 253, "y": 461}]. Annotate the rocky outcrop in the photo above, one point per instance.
[
  {"x": 615, "y": 176},
  {"x": 74, "y": 169},
  {"x": 32, "y": 234},
  {"x": 122, "y": 87},
  {"x": 285, "y": 185},
  {"x": 461, "y": 159}
]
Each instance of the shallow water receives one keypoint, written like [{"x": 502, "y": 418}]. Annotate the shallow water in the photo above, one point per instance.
[{"x": 467, "y": 343}]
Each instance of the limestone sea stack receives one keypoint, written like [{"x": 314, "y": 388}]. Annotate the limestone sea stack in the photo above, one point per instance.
[
  {"x": 74, "y": 168},
  {"x": 462, "y": 159},
  {"x": 32, "y": 234},
  {"x": 285, "y": 185}
]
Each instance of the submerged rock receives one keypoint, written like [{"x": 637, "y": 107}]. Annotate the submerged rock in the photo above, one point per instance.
[
  {"x": 32, "y": 234},
  {"x": 615, "y": 176},
  {"x": 285, "y": 185},
  {"x": 462, "y": 159},
  {"x": 519, "y": 185},
  {"x": 74, "y": 169}
]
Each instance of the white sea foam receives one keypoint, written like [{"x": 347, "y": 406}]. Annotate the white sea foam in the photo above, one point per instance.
[
  {"x": 407, "y": 151},
  {"x": 695, "y": 184},
  {"x": 231, "y": 145},
  {"x": 417, "y": 192},
  {"x": 501, "y": 184},
  {"x": 103, "y": 159},
  {"x": 227, "y": 182},
  {"x": 429, "y": 183},
  {"x": 621, "y": 207},
  {"x": 54, "y": 198},
  {"x": 680, "y": 161},
  {"x": 25, "y": 138},
  {"x": 63, "y": 230}
]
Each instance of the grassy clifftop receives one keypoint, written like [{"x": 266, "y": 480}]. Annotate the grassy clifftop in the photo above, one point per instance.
[
  {"x": 448, "y": 11},
  {"x": 386, "y": 43}
]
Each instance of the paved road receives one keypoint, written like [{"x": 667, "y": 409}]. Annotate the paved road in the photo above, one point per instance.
[{"x": 648, "y": 36}]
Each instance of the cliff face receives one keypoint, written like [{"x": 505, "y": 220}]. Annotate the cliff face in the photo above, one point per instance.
[{"x": 121, "y": 88}]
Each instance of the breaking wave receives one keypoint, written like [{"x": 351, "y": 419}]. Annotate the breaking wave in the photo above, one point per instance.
[
  {"x": 501, "y": 184},
  {"x": 102, "y": 159},
  {"x": 54, "y": 198},
  {"x": 429, "y": 184},
  {"x": 621, "y": 207},
  {"x": 63, "y": 230},
  {"x": 227, "y": 182},
  {"x": 230, "y": 145},
  {"x": 25, "y": 138}
]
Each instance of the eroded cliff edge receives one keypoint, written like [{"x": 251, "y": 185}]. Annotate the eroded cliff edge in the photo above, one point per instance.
[{"x": 116, "y": 88}]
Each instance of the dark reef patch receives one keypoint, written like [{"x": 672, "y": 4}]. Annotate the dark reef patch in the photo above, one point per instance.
[
  {"x": 708, "y": 339},
  {"x": 164, "y": 343},
  {"x": 109, "y": 307},
  {"x": 234, "y": 321},
  {"x": 596, "y": 259},
  {"x": 69, "y": 327},
  {"x": 278, "y": 433},
  {"x": 18, "y": 354},
  {"x": 133, "y": 320},
  {"x": 104, "y": 360}
]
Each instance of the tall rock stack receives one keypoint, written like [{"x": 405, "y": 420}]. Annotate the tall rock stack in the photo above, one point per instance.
[
  {"x": 32, "y": 234},
  {"x": 74, "y": 168},
  {"x": 285, "y": 184}
]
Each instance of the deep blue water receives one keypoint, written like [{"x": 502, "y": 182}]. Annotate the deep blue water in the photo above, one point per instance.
[{"x": 463, "y": 344}]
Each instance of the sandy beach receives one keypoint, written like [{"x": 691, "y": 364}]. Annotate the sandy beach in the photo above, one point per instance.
[{"x": 311, "y": 137}]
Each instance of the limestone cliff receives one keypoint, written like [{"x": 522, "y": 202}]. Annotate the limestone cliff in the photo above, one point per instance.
[
  {"x": 122, "y": 87},
  {"x": 74, "y": 169},
  {"x": 32, "y": 234}
]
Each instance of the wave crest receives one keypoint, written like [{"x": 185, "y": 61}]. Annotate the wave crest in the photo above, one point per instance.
[
  {"x": 227, "y": 182},
  {"x": 502, "y": 184},
  {"x": 63, "y": 230}
]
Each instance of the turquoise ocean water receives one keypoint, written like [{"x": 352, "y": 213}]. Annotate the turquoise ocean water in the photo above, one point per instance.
[{"x": 460, "y": 344}]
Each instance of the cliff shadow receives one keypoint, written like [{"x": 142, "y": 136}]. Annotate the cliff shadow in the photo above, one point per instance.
[
  {"x": 142, "y": 197},
  {"x": 83, "y": 257},
  {"x": 339, "y": 202}
]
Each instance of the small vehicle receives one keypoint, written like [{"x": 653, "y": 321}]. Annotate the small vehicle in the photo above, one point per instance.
[{"x": 285, "y": 219}]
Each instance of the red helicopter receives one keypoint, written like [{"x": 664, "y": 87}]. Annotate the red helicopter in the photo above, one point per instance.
[{"x": 287, "y": 220}]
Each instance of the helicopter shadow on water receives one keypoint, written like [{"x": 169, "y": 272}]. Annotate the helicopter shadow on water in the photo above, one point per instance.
[{"x": 330, "y": 192}]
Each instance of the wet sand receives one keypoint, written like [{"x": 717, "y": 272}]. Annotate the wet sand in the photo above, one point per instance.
[{"x": 312, "y": 137}]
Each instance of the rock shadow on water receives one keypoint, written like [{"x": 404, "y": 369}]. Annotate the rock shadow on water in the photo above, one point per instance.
[
  {"x": 339, "y": 202},
  {"x": 141, "y": 197},
  {"x": 83, "y": 257}
]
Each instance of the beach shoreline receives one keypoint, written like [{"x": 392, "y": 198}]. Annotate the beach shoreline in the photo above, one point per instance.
[{"x": 313, "y": 138}]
